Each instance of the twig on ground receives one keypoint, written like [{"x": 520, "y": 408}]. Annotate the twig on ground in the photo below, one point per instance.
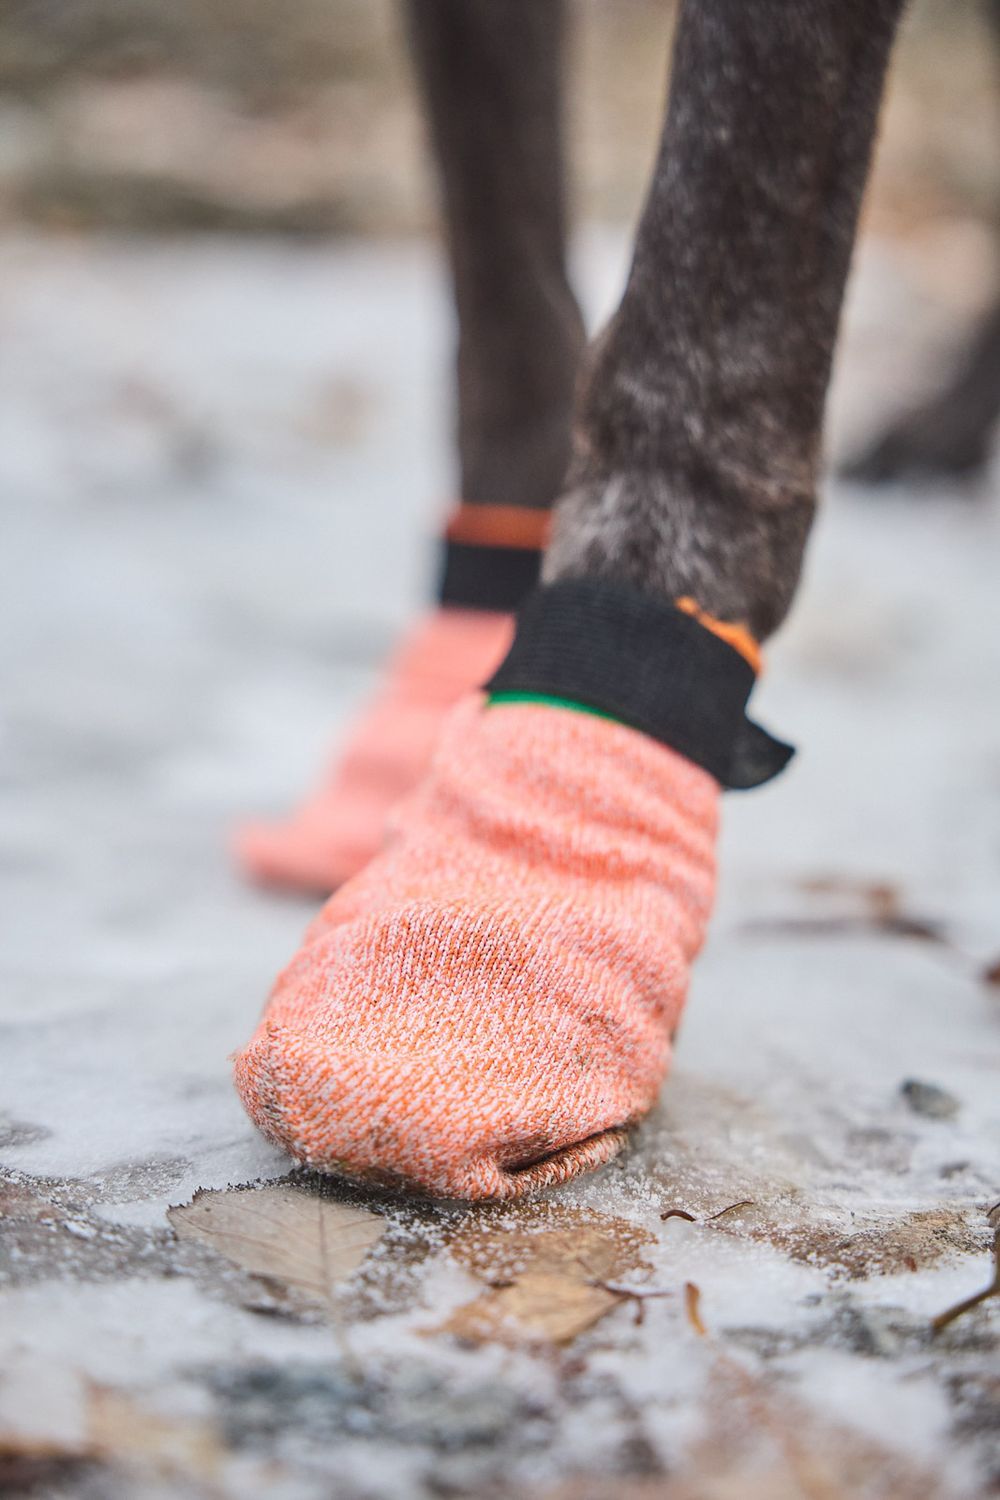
[
  {"x": 968, "y": 1303},
  {"x": 730, "y": 1208},
  {"x": 638, "y": 1295},
  {"x": 692, "y": 1303},
  {"x": 682, "y": 1213}
]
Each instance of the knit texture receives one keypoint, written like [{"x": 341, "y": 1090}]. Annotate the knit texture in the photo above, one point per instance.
[
  {"x": 489, "y": 1005},
  {"x": 337, "y": 829}
]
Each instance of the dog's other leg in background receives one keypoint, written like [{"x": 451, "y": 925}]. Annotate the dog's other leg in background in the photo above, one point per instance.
[
  {"x": 948, "y": 434},
  {"x": 490, "y": 73}
]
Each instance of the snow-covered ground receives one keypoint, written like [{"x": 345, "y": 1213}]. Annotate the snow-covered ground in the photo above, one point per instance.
[{"x": 221, "y": 463}]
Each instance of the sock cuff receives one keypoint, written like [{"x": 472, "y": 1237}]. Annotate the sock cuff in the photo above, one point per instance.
[
  {"x": 492, "y": 556},
  {"x": 508, "y": 526},
  {"x": 651, "y": 665}
]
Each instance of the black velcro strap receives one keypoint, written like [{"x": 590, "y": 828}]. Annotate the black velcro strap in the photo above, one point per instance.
[
  {"x": 474, "y": 577},
  {"x": 648, "y": 664}
]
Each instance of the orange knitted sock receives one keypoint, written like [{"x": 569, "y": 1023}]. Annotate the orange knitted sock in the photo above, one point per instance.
[
  {"x": 490, "y": 1003},
  {"x": 336, "y": 830}
]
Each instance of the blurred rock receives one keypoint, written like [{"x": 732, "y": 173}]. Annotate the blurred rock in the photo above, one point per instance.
[{"x": 929, "y": 1100}]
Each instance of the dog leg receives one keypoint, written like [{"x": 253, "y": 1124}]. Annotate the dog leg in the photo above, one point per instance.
[
  {"x": 490, "y": 76},
  {"x": 487, "y": 1007}
]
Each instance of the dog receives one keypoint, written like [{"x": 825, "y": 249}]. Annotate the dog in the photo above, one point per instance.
[{"x": 486, "y": 1005}]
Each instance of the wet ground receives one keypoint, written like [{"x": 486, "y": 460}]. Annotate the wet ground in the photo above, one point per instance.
[{"x": 223, "y": 461}]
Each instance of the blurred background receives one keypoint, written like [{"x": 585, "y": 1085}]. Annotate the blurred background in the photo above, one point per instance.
[
  {"x": 299, "y": 125},
  {"x": 225, "y": 355},
  {"x": 238, "y": 122},
  {"x": 235, "y": 115}
]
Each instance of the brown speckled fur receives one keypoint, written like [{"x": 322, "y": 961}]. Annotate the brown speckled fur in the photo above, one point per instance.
[{"x": 697, "y": 431}]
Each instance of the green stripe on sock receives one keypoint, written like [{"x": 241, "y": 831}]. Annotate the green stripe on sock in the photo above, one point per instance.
[{"x": 552, "y": 702}]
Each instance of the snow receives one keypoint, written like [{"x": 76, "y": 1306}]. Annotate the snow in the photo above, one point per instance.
[{"x": 224, "y": 461}]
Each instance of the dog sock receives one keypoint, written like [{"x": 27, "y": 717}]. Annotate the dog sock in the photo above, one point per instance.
[
  {"x": 489, "y": 1005},
  {"x": 337, "y": 829},
  {"x": 491, "y": 560}
]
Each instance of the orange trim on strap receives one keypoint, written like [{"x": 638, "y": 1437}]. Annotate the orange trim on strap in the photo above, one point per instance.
[
  {"x": 499, "y": 526},
  {"x": 737, "y": 636}
]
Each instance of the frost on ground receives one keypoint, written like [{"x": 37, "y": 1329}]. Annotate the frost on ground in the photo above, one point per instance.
[{"x": 223, "y": 462}]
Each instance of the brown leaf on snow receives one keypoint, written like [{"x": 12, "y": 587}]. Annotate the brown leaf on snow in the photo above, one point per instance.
[
  {"x": 284, "y": 1233},
  {"x": 540, "y": 1307},
  {"x": 52, "y": 1417},
  {"x": 20, "y": 1200},
  {"x": 122, "y": 1432},
  {"x": 909, "y": 1243},
  {"x": 758, "y": 1442},
  {"x": 43, "y": 1411},
  {"x": 544, "y": 1265}
]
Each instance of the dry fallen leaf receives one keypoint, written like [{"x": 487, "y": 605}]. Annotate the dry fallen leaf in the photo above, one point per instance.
[
  {"x": 540, "y": 1306},
  {"x": 880, "y": 1247},
  {"x": 286, "y": 1234},
  {"x": 53, "y": 1415},
  {"x": 759, "y": 1442},
  {"x": 544, "y": 1265},
  {"x": 122, "y": 1432},
  {"x": 43, "y": 1409},
  {"x": 19, "y": 1201}
]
